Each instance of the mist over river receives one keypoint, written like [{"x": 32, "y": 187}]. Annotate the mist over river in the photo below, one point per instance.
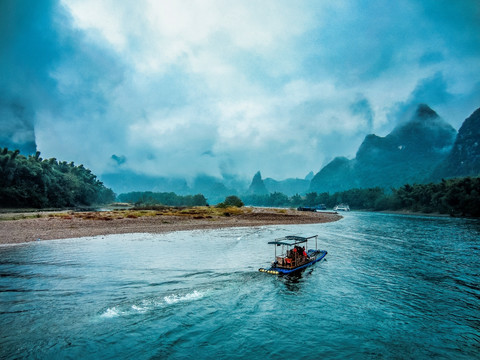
[{"x": 392, "y": 286}]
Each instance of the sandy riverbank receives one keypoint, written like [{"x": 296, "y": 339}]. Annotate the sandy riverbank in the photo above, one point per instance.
[{"x": 45, "y": 226}]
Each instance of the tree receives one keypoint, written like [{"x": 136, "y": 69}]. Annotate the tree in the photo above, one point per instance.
[
  {"x": 233, "y": 200},
  {"x": 34, "y": 182},
  {"x": 199, "y": 200},
  {"x": 278, "y": 199},
  {"x": 311, "y": 199}
]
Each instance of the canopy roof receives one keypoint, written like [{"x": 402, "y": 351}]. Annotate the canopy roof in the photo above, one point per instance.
[{"x": 291, "y": 240}]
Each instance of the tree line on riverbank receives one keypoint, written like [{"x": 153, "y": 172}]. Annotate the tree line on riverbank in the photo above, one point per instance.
[
  {"x": 459, "y": 196},
  {"x": 147, "y": 198},
  {"x": 30, "y": 181}
]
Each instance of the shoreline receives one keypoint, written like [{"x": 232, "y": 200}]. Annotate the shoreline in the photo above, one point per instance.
[
  {"x": 413, "y": 213},
  {"x": 60, "y": 225}
]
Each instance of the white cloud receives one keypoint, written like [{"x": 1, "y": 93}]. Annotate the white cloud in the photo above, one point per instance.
[
  {"x": 103, "y": 16},
  {"x": 180, "y": 87},
  {"x": 154, "y": 35}
]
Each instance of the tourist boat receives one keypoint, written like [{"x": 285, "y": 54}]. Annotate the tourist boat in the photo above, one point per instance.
[
  {"x": 294, "y": 254},
  {"x": 342, "y": 207},
  {"x": 320, "y": 207}
]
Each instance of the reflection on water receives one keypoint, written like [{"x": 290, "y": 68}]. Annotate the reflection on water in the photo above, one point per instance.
[
  {"x": 390, "y": 287},
  {"x": 293, "y": 281}
]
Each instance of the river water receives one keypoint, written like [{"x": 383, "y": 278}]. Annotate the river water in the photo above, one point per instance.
[{"x": 392, "y": 286}]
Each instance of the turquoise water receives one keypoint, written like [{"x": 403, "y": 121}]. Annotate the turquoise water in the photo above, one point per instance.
[{"x": 392, "y": 286}]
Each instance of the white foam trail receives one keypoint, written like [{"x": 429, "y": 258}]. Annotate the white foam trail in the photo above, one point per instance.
[
  {"x": 149, "y": 305},
  {"x": 110, "y": 313},
  {"x": 172, "y": 299},
  {"x": 139, "y": 309}
]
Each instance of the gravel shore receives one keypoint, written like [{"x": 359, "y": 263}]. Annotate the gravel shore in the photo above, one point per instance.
[{"x": 49, "y": 228}]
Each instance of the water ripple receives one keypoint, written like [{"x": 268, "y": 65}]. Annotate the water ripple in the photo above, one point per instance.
[{"x": 391, "y": 287}]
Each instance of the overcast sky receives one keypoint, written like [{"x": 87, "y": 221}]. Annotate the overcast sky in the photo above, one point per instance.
[{"x": 229, "y": 87}]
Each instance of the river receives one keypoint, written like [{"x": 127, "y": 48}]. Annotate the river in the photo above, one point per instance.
[{"x": 392, "y": 286}]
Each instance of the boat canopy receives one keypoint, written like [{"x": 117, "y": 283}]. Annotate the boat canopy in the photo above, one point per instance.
[{"x": 291, "y": 240}]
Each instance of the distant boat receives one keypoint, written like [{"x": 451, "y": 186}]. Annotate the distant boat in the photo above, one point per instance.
[
  {"x": 342, "y": 207},
  {"x": 305, "y": 208},
  {"x": 312, "y": 208}
]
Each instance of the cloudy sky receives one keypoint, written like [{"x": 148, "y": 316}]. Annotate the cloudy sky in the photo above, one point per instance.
[{"x": 228, "y": 87}]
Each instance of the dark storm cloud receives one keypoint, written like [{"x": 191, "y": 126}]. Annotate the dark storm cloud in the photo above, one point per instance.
[
  {"x": 36, "y": 42},
  {"x": 27, "y": 48}
]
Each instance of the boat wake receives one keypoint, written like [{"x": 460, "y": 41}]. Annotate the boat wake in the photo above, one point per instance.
[
  {"x": 111, "y": 312},
  {"x": 172, "y": 299},
  {"x": 149, "y": 305}
]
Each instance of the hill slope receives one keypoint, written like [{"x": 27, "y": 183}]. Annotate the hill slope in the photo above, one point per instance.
[{"x": 464, "y": 159}]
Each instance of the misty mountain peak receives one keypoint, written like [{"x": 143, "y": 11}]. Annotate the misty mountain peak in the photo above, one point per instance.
[
  {"x": 424, "y": 132},
  {"x": 425, "y": 112},
  {"x": 406, "y": 155},
  {"x": 257, "y": 187}
]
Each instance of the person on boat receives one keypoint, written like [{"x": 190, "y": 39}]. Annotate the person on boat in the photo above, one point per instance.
[{"x": 296, "y": 254}]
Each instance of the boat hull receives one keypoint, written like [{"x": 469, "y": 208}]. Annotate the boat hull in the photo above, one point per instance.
[{"x": 277, "y": 270}]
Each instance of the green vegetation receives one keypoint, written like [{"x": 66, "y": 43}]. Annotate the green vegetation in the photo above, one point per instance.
[
  {"x": 459, "y": 197},
  {"x": 39, "y": 183},
  {"x": 231, "y": 201},
  {"x": 454, "y": 196},
  {"x": 149, "y": 198},
  {"x": 161, "y": 212},
  {"x": 357, "y": 198},
  {"x": 30, "y": 181}
]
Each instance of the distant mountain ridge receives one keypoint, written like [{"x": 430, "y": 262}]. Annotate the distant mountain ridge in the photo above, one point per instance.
[
  {"x": 424, "y": 149},
  {"x": 290, "y": 186},
  {"x": 406, "y": 155},
  {"x": 125, "y": 181}
]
